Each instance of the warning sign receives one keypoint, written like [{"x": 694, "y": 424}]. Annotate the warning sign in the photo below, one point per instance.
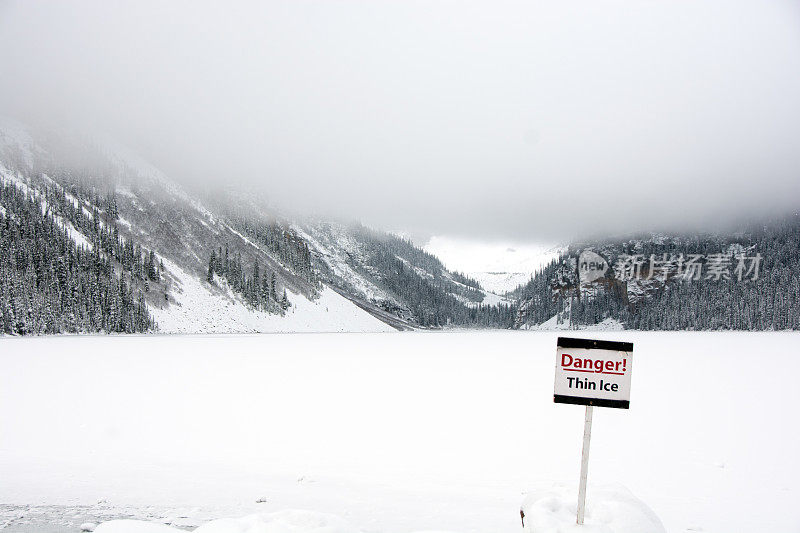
[{"x": 590, "y": 372}]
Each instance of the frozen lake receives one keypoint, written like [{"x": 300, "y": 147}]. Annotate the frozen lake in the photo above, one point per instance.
[{"x": 396, "y": 432}]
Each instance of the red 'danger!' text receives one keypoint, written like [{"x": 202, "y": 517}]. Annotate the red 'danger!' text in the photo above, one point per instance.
[{"x": 596, "y": 366}]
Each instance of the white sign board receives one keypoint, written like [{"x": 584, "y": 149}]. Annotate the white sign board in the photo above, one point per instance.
[{"x": 590, "y": 372}]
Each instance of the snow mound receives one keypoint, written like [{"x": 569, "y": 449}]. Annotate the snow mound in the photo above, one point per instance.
[{"x": 608, "y": 510}]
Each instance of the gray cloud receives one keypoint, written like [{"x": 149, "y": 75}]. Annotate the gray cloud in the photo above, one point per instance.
[{"x": 521, "y": 120}]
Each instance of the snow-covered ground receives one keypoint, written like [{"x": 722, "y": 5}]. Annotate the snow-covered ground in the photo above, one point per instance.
[{"x": 395, "y": 433}]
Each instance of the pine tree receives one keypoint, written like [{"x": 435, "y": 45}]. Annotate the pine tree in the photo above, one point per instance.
[{"x": 211, "y": 263}]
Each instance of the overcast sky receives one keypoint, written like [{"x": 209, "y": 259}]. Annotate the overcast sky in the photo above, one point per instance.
[{"x": 531, "y": 120}]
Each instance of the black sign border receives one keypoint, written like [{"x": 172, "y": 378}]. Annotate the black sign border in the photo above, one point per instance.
[
  {"x": 595, "y": 402},
  {"x": 569, "y": 342}
]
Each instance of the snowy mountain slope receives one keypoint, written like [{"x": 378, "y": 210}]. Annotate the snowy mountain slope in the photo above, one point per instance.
[
  {"x": 7, "y": 177},
  {"x": 110, "y": 194},
  {"x": 196, "y": 309},
  {"x": 338, "y": 251},
  {"x": 384, "y": 271}
]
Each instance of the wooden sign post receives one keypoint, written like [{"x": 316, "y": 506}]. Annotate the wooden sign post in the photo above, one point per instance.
[{"x": 592, "y": 373}]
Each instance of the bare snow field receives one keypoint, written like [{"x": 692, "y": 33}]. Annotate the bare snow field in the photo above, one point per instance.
[{"x": 390, "y": 432}]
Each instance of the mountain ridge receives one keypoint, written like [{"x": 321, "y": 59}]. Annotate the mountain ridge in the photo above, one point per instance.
[{"x": 223, "y": 266}]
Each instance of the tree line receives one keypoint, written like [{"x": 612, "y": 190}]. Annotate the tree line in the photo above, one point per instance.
[
  {"x": 49, "y": 284},
  {"x": 279, "y": 239}
]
